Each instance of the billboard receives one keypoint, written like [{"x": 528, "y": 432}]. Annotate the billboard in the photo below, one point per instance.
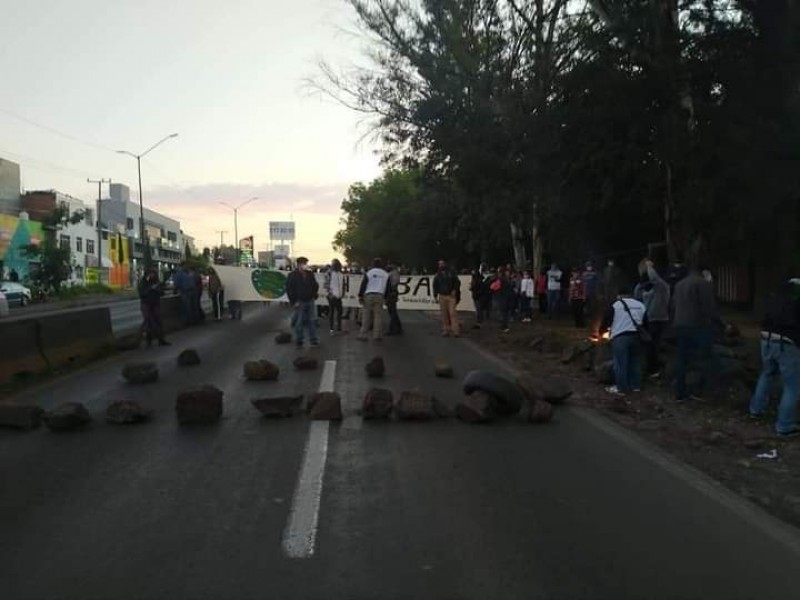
[
  {"x": 246, "y": 249},
  {"x": 282, "y": 250},
  {"x": 282, "y": 231}
]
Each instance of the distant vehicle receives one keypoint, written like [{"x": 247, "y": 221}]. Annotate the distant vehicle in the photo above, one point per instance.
[
  {"x": 3, "y": 305},
  {"x": 15, "y": 293}
]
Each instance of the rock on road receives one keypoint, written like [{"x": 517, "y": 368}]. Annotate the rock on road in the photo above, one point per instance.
[{"x": 255, "y": 508}]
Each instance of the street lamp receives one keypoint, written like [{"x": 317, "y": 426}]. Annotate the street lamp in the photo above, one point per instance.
[
  {"x": 138, "y": 157},
  {"x": 235, "y": 210}
]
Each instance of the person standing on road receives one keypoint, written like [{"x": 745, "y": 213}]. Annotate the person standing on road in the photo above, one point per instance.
[
  {"x": 623, "y": 320},
  {"x": 526, "y": 297},
  {"x": 653, "y": 292},
  {"x": 150, "y": 297},
  {"x": 553, "y": 290},
  {"x": 217, "y": 293},
  {"x": 695, "y": 319},
  {"x": 392, "y": 297},
  {"x": 447, "y": 290},
  {"x": 476, "y": 290},
  {"x": 185, "y": 285},
  {"x": 780, "y": 353},
  {"x": 372, "y": 295},
  {"x": 577, "y": 298},
  {"x": 13, "y": 276},
  {"x": 503, "y": 289},
  {"x": 199, "y": 313},
  {"x": 334, "y": 290},
  {"x": 302, "y": 290}
]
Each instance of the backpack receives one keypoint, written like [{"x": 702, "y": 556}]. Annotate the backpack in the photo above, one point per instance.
[{"x": 781, "y": 314}]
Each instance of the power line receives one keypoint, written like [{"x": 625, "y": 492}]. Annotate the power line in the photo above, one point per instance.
[
  {"x": 55, "y": 131},
  {"x": 27, "y": 160}
]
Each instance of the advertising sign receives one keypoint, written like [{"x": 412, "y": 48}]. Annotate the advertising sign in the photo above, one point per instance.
[
  {"x": 246, "y": 249},
  {"x": 281, "y": 250},
  {"x": 265, "y": 285},
  {"x": 282, "y": 231}
]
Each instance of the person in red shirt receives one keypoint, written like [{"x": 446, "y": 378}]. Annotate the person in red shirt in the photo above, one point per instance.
[
  {"x": 540, "y": 289},
  {"x": 577, "y": 297}
]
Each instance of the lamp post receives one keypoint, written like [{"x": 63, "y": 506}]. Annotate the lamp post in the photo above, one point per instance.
[
  {"x": 138, "y": 157},
  {"x": 235, "y": 210}
]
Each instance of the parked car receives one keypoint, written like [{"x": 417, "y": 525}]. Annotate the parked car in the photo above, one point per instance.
[
  {"x": 15, "y": 293},
  {"x": 3, "y": 305}
]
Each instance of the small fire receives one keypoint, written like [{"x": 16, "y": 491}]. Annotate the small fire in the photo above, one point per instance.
[{"x": 596, "y": 338}]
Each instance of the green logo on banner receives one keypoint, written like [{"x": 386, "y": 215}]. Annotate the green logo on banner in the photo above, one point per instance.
[{"x": 269, "y": 284}]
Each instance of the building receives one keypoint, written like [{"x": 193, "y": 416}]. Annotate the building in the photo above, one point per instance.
[
  {"x": 190, "y": 243},
  {"x": 81, "y": 238},
  {"x": 10, "y": 185},
  {"x": 122, "y": 216}
]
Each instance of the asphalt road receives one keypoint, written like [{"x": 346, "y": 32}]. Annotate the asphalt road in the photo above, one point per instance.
[{"x": 251, "y": 508}]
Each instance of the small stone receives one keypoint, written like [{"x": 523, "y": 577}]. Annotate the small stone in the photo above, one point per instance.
[
  {"x": 376, "y": 368},
  {"x": 67, "y": 416},
  {"x": 378, "y": 404},
  {"x": 261, "y": 370},
  {"x": 732, "y": 331},
  {"x": 284, "y": 337},
  {"x": 306, "y": 363},
  {"x": 278, "y": 407},
  {"x": 744, "y": 463},
  {"x": 540, "y": 412},
  {"x": 477, "y": 407},
  {"x": 415, "y": 406},
  {"x": 126, "y": 412},
  {"x": 442, "y": 369},
  {"x": 199, "y": 405},
  {"x": 188, "y": 358},
  {"x": 20, "y": 416},
  {"x": 325, "y": 406},
  {"x": 536, "y": 343},
  {"x": 716, "y": 437},
  {"x": 140, "y": 373}
]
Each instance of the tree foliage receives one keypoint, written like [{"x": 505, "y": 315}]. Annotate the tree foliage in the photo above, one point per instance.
[{"x": 600, "y": 125}]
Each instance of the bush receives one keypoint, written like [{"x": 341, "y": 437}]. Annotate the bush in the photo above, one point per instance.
[{"x": 77, "y": 291}]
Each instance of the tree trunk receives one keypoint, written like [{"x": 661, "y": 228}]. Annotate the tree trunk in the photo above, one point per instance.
[
  {"x": 518, "y": 246},
  {"x": 536, "y": 238}
]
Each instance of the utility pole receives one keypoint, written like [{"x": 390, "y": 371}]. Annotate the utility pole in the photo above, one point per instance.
[
  {"x": 99, "y": 183},
  {"x": 221, "y": 240}
]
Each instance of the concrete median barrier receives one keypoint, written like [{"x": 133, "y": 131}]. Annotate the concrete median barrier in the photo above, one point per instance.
[
  {"x": 19, "y": 352},
  {"x": 75, "y": 336}
]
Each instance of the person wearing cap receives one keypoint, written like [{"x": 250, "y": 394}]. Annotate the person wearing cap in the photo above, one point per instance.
[
  {"x": 780, "y": 354},
  {"x": 447, "y": 291},
  {"x": 302, "y": 289},
  {"x": 372, "y": 295}
]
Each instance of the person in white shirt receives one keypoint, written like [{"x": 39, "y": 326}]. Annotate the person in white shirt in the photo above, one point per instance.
[
  {"x": 526, "y": 293},
  {"x": 624, "y": 320},
  {"x": 372, "y": 296},
  {"x": 334, "y": 288},
  {"x": 553, "y": 290}
]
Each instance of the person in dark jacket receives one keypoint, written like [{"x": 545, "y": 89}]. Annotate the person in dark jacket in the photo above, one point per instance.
[
  {"x": 447, "y": 291},
  {"x": 302, "y": 290},
  {"x": 503, "y": 290},
  {"x": 185, "y": 285},
  {"x": 654, "y": 293},
  {"x": 217, "y": 293},
  {"x": 695, "y": 319},
  {"x": 392, "y": 298},
  {"x": 150, "y": 302}
]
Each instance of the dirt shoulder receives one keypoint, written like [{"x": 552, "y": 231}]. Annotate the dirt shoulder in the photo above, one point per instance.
[{"x": 715, "y": 436}]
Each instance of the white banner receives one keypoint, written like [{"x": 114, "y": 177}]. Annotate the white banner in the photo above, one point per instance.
[{"x": 415, "y": 292}]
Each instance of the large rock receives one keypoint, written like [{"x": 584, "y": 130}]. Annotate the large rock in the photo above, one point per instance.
[
  {"x": 478, "y": 407},
  {"x": 306, "y": 363},
  {"x": 509, "y": 396},
  {"x": 127, "y": 412},
  {"x": 378, "y": 404},
  {"x": 444, "y": 370},
  {"x": 284, "y": 337},
  {"x": 261, "y": 370},
  {"x": 550, "y": 389},
  {"x": 325, "y": 406},
  {"x": 199, "y": 405},
  {"x": 140, "y": 373},
  {"x": 70, "y": 415},
  {"x": 604, "y": 372},
  {"x": 376, "y": 368},
  {"x": 20, "y": 416},
  {"x": 278, "y": 407},
  {"x": 188, "y": 358}
]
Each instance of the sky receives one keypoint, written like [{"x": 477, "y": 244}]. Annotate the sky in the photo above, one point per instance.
[{"x": 83, "y": 78}]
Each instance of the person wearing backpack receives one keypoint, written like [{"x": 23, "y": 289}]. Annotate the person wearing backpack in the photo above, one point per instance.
[
  {"x": 447, "y": 290},
  {"x": 625, "y": 319},
  {"x": 694, "y": 322},
  {"x": 780, "y": 353}
]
